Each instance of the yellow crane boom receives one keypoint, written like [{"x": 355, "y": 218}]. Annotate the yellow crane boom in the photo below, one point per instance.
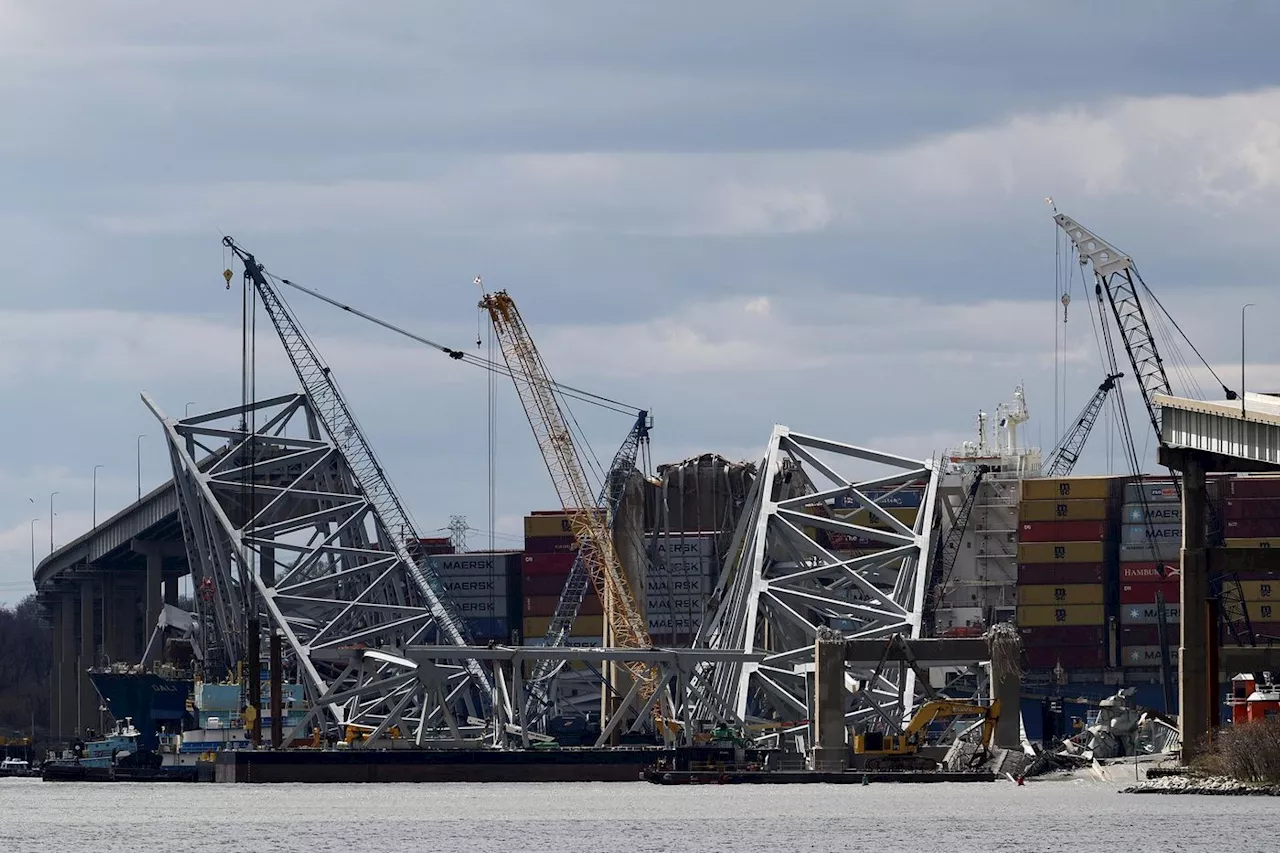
[{"x": 590, "y": 524}]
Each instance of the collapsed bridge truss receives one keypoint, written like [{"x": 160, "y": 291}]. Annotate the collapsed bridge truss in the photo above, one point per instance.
[{"x": 784, "y": 583}]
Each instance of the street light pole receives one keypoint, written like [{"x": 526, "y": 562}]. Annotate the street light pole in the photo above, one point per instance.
[
  {"x": 186, "y": 413},
  {"x": 1246, "y": 305},
  {"x": 51, "y": 494},
  {"x": 95, "y": 493},
  {"x": 140, "y": 437},
  {"x": 33, "y": 546}
]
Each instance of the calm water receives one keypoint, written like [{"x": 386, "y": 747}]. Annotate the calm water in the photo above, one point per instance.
[{"x": 1072, "y": 817}]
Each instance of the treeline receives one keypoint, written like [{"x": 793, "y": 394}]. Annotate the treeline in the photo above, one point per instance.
[{"x": 26, "y": 653}]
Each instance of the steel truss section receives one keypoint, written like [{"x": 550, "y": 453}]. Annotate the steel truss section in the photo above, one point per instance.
[
  {"x": 780, "y": 587},
  {"x": 274, "y": 521}
]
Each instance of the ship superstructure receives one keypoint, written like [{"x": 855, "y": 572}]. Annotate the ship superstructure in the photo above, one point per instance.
[{"x": 979, "y": 584}]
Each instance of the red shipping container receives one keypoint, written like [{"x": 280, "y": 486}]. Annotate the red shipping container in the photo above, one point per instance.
[
  {"x": 543, "y": 584},
  {"x": 1251, "y": 487},
  {"x": 1252, "y": 528},
  {"x": 1062, "y": 531},
  {"x": 549, "y": 545},
  {"x": 1146, "y": 635},
  {"x": 1034, "y": 574},
  {"x": 1144, "y": 592},
  {"x": 545, "y": 605},
  {"x": 1070, "y": 657},
  {"x": 1062, "y": 635},
  {"x": 1251, "y": 508},
  {"x": 1148, "y": 572}
]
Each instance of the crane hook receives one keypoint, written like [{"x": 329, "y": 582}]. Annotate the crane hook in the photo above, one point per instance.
[
  {"x": 1066, "y": 300},
  {"x": 227, "y": 275}
]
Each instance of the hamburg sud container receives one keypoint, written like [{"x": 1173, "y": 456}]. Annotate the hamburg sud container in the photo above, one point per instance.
[{"x": 485, "y": 589}]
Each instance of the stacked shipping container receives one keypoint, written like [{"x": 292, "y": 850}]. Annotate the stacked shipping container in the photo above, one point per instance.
[
  {"x": 678, "y": 586},
  {"x": 1066, "y": 559},
  {"x": 549, "y": 554},
  {"x": 485, "y": 587},
  {"x": 1149, "y": 560},
  {"x": 1250, "y": 511}
]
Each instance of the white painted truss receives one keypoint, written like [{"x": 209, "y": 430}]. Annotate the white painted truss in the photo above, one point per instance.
[
  {"x": 275, "y": 523},
  {"x": 794, "y": 570}
]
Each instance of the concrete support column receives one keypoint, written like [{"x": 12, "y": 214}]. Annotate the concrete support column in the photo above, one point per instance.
[
  {"x": 110, "y": 618},
  {"x": 88, "y": 716},
  {"x": 1006, "y": 688},
  {"x": 830, "y": 752},
  {"x": 154, "y": 601},
  {"x": 67, "y": 667},
  {"x": 1193, "y": 674}
]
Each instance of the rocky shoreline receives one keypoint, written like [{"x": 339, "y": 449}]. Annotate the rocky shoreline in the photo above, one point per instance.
[{"x": 1207, "y": 785}]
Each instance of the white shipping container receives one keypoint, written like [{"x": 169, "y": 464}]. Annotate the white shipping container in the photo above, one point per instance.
[
  {"x": 678, "y": 585},
  {"x": 1137, "y": 534},
  {"x": 478, "y": 564},
  {"x": 676, "y": 546},
  {"x": 1146, "y": 655},
  {"x": 1159, "y": 513},
  {"x": 676, "y": 604},
  {"x": 681, "y": 623},
  {"x": 1148, "y": 614},
  {"x": 684, "y": 566}
]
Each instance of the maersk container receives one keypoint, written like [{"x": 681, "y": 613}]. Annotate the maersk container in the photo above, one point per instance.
[
  {"x": 1060, "y": 594},
  {"x": 1030, "y": 574},
  {"x": 1137, "y": 534},
  {"x": 1062, "y": 531},
  {"x": 1147, "y": 656},
  {"x": 1148, "y": 614},
  {"x": 1158, "y": 513},
  {"x": 1087, "y": 509},
  {"x": 482, "y": 608},
  {"x": 476, "y": 563},
  {"x": 1151, "y": 491},
  {"x": 678, "y": 585},
  {"x": 1145, "y": 552},
  {"x": 677, "y": 623}
]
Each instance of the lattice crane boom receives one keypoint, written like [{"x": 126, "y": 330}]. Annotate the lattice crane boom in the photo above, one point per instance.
[
  {"x": 1063, "y": 458},
  {"x": 1116, "y": 276},
  {"x": 332, "y": 409},
  {"x": 588, "y": 520}
]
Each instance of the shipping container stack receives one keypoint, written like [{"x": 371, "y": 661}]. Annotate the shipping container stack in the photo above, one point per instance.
[
  {"x": 1150, "y": 551},
  {"x": 678, "y": 586},
  {"x": 1066, "y": 571},
  {"x": 1250, "y": 512},
  {"x": 549, "y": 554},
  {"x": 485, "y": 588}
]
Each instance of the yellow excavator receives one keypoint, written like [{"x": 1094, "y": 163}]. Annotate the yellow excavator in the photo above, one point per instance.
[{"x": 879, "y": 751}]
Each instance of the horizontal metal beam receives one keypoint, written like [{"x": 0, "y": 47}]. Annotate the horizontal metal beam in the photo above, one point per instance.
[
  {"x": 931, "y": 652},
  {"x": 534, "y": 653},
  {"x": 1177, "y": 458}
]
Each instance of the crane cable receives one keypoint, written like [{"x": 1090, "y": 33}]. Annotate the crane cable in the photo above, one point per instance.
[{"x": 458, "y": 355}]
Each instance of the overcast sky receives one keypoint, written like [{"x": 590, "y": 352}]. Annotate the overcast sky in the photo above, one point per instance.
[{"x": 736, "y": 213}]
